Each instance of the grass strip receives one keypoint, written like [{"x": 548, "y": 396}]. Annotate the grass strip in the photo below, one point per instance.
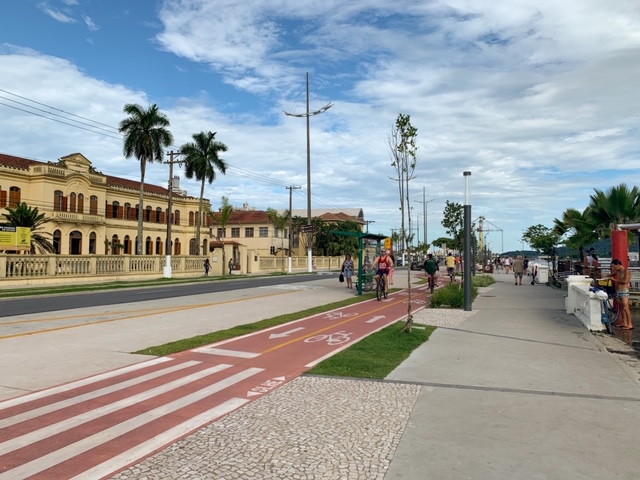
[
  {"x": 377, "y": 355},
  {"x": 213, "y": 337}
]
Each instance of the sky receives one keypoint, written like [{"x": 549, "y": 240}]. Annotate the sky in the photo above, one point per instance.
[{"x": 538, "y": 100}]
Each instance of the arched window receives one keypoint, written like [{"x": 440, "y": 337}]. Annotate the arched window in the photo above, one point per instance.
[
  {"x": 57, "y": 201},
  {"x": 114, "y": 245},
  {"x": 75, "y": 243},
  {"x": 193, "y": 247},
  {"x": 114, "y": 209},
  {"x": 148, "y": 246},
  {"x": 158, "y": 215},
  {"x": 204, "y": 246},
  {"x": 191, "y": 219},
  {"x": 158, "y": 246},
  {"x": 176, "y": 247},
  {"x": 14, "y": 197},
  {"x": 128, "y": 212},
  {"x": 147, "y": 216},
  {"x": 57, "y": 242},
  {"x": 127, "y": 245},
  {"x": 92, "y": 242},
  {"x": 93, "y": 205},
  {"x": 81, "y": 204},
  {"x": 177, "y": 218},
  {"x": 72, "y": 202}
]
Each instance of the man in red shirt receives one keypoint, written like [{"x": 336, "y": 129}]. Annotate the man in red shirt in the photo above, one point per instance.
[{"x": 384, "y": 263}]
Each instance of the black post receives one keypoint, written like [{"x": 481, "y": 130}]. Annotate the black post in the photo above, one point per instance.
[{"x": 468, "y": 254}]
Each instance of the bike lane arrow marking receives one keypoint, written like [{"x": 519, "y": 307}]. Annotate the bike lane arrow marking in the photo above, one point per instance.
[
  {"x": 375, "y": 319},
  {"x": 285, "y": 334}
]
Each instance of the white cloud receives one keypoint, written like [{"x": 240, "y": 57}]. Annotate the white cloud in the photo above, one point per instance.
[{"x": 56, "y": 14}]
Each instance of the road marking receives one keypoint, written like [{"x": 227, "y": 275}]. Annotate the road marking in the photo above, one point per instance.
[
  {"x": 285, "y": 334},
  {"x": 66, "y": 453},
  {"x": 52, "y": 407},
  {"x": 146, "y": 448},
  {"x": 375, "y": 319},
  {"x": 266, "y": 386},
  {"x": 81, "y": 383},
  {"x": 226, "y": 353},
  {"x": 64, "y": 425}
]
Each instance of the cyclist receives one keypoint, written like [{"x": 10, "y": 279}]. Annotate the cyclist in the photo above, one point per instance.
[
  {"x": 451, "y": 265},
  {"x": 431, "y": 267},
  {"x": 384, "y": 264}
]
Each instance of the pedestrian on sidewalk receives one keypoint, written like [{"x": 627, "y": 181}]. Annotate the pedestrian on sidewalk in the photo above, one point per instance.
[
  {"x": 518, "y": 269},
  {"x": 230, "y": 265},
  {"x": 622, "y": 279},
  {"x": 207, "y": 267},
  {"x": 347, "y": 270}
]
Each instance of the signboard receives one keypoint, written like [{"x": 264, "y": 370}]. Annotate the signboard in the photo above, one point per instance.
[
  {"x": 308, "y": 228},
  {"x": 15, "y": 238},
  {"x": 388, "y": 243}
]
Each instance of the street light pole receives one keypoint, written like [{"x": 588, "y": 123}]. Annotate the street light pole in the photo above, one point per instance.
[
  {"x": 367, "y": 222},
  {"x": 468, "y": 257},
  {"x": 167, "y": 267},
  {"x": 307, "y": 115}
]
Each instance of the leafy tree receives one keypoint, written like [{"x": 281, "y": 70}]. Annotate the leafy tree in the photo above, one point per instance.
[
  {"x": 222, "y": 217},
  {"x": 280, "y": 223},
  {"x": 201, "y": 161},
  {"x": 578, "y": 227},
  {"x": 617, "y": 206},
  {"x": 542, "y": 239},
  {"x": 145, "y": 137},
  {"x": 404, "y": 155},
  {"x": 442, "y": 241},
  {"x": 453, "y": 222},
  {"x": 24, "y": 216}
]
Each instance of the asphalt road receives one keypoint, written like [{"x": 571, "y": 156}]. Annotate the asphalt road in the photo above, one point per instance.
[{"x": 51, "y": 303}]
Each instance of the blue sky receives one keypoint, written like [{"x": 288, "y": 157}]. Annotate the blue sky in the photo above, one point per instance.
[{"x": 539, "y": 100}]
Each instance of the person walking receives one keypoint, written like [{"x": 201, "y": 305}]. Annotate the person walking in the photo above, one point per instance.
[
  {"x": 207, "y": 267},
  {"x": 347, "y": 270},
  {"x": 230, "y": 265},
  {"x": 518, "y": 269}
]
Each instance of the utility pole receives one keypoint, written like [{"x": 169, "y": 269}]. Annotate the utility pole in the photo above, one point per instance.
[
  {"x": 309, "y": 227},
  {"x": 291, "y": 188},
  {"x": 167, "y": 266},
  {"x": 424, "y": 214},
  {"x": 367, "y": 222}
]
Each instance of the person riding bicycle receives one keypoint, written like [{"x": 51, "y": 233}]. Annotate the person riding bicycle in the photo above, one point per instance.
[
  {"x": 451, "y": 265},
  {"x": 384, "y": 264},
  {"x": 431, "y": 267}
]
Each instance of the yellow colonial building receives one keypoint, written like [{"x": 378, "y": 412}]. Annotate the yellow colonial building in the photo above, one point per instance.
[{"x": 93, "y": 213}]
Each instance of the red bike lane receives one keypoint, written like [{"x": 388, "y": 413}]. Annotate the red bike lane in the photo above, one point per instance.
[{"x": 95, "y": 427}]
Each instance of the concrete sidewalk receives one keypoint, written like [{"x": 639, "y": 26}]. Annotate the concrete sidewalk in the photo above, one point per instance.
[{"x": 518, "y": 390}]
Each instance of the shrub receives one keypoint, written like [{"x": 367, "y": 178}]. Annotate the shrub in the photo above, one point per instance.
[
  {"x": 451, "y": 295},
  {"x": 482, "y": 280}
]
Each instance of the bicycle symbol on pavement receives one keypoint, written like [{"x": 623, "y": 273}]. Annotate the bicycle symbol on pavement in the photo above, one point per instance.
[
  {"x": 338, "y": 315},
  {"x": 332, "y": 338}
]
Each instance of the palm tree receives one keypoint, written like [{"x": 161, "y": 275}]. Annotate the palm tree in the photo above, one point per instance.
[
  {"x": 618, "y": 205},
  {"x": 579, "y": 226},
  {"x": 145, "y": 137},
  {"x": 25, "y": 216},
  {"x": 201, "y": 161}
]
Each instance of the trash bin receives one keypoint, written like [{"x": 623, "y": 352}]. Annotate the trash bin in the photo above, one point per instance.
[{"x": 543, "y": 273}]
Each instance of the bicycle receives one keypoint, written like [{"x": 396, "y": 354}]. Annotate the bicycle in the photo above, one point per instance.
[
  {"x": 611, "y": 302},
  {"x": 432, "y": 281},
  {"x": 605, "y": 306},
  {"x": 452, "y": 274},
  {"x": 380, "y": 288}
]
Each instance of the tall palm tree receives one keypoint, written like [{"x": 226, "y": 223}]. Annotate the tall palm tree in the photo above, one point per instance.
[
  {"x": 201, "y": 161},
  {"x": 580, "y": 227},
  {"x": 25, "y": 216},
  {"x": 618, "y": 205},
  {"x": 145, "y": 137}
]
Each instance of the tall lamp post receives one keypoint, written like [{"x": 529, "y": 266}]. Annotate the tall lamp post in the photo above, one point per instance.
[
  {"x": 468, "y": 256},
  {"x": 367, "y": 222},
  {"x": 309, "y": 227},
  {"x": 166, "y": 273}
]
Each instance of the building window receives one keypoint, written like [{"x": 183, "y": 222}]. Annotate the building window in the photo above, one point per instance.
[
  {"x": 75, "y": 243},
  {"x": 114, "y": 245},
  {"x": 114, "y": 209},
  {"x": 193, "y": 247},
  {"x": 127, "y": 211},
  {"x": 127, "y": 245},
  {"x": 14, "y": 197},
  {"x": 248, "y": 232},
  {"x": 158, "y": 215},
  {"x": 147, "y": 214},
  {"x": 92, "y": 243},
  {"x": 72, "y": 202},
  {"x": 93, "y": 205},
  {"x": 57, "y": 201},
  {"x": 177, "y": 218},
  {"x": 191, "y": 219},
  {"x": 264, "y": 232},
  {"x": 57, "y": 238},
  {"x": 158, "y": 246},
  {"x": 235, "y": 232},
  {"x": 148, "y": 246},
  {"x": 222, "y": 232},
  {"x": 81, "y": 204}
]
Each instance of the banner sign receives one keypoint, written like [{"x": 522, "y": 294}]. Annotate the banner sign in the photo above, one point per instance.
[{"x": 15, "y": 238}]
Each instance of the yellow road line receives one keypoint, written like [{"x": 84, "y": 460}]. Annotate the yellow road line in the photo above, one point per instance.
[{"x": 151, "y": 311}]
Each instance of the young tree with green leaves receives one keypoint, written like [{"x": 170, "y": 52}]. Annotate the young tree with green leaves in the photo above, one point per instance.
[
  {"x": 146, "y": 135},
  {"x": 222, "y": 217},
  {"x": 453, "y": 222},
  {"x": 202, "y": 158},
  {"x": 404, "y": 158},
  {"x": 279, "y": 222},
  {"x": 544, "y": 240}
]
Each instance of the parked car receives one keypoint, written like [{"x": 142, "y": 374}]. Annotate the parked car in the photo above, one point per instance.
[{"x": 416, "y": 265}]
